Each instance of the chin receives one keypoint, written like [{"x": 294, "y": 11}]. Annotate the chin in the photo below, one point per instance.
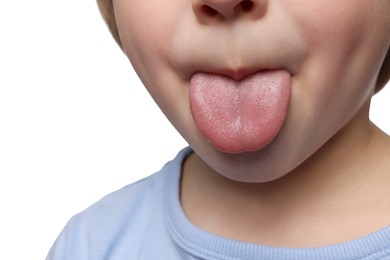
[{"x": 253, "y": 167}]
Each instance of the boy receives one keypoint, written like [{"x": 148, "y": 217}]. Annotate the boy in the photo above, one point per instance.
[{"x": 273, "y": 99}]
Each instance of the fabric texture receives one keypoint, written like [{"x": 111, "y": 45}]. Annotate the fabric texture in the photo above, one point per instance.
[{"x": 144, "y": 221}]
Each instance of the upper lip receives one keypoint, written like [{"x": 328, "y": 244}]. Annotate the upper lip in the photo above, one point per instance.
[
  {"x": 237, "y": 67},
  {"x": 239, "y": 73}
]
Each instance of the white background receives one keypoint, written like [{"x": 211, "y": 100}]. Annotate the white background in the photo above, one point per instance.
[{"x": 75, "y": 122}]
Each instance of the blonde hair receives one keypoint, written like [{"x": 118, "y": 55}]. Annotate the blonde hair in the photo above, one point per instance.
[{"x": 107, "y": 11}]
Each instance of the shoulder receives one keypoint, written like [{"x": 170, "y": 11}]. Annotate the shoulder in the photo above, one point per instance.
[
  {"x": 102, "y": 223},
  {"x": 121, "y": 217}
]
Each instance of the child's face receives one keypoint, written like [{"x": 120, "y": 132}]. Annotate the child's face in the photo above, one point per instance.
[{"x": 330, "y": 52}]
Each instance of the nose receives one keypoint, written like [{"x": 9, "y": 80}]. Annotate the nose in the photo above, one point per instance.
[{"x": 209, "y": 10}]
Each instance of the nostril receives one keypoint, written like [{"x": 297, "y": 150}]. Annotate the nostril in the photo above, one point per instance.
[
  {"x": 247, "y": 5},
  {"x": 208, "y": 10}
]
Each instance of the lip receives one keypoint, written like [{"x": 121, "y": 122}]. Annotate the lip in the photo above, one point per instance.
[
  {"x": 238, "y": 66},
  {"x": 237, "y": 57},
  {"x": 240, "y": 73}
]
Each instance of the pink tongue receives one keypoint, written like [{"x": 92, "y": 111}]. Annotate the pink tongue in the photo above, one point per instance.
[{"x": 240, "y": 116}]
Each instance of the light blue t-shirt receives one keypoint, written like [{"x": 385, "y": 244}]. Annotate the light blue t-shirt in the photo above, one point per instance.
[{"x": 144, "y": 221}]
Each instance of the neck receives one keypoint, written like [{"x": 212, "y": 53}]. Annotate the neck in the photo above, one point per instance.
[{"x": 335, "y": 176}]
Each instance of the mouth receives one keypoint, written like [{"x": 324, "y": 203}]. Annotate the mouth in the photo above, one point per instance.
[
  {"x": 237, "y": 74},
  {"x": 241, "y": 110},
  {"x": 239, "y": 92}
]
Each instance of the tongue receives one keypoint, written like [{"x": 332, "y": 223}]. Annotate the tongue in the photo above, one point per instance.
[{"x": 240, "y": 116}]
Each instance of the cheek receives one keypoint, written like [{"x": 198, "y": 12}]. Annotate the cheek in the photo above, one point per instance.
[
  {"x": 338, "y": 30},
  {"x": 345, "y": 50},
  {"x": 331, "y": 18},
  {"x": 343, "y": 37},
  {"x": 147, "y": 29},
  {"x": 147, "y": 25}
]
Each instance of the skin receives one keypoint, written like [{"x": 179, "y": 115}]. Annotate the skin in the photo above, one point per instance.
[{"x": 325, "y": 172}]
